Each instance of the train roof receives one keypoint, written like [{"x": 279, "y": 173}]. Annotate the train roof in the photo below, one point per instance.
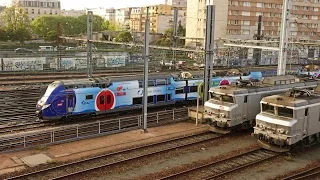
[
  {"x": 295, "y": 98},
  {"x": 268, "y": 84}
]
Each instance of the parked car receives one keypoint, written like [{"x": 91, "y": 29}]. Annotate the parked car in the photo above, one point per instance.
[{"x": 23, "y": 50}]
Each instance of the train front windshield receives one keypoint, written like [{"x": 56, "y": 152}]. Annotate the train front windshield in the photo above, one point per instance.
[
  {"x": 220, "y": 97},
  {"x": 45, "y": 95}
]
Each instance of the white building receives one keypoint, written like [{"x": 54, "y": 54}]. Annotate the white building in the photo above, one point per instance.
[
  {"x": 176, "y": 3},
  {"x": 167, "y": 21},
  {"x": 72, "y": 12},
  {"x": 36, "y": 8},
  {"x": 107, "y": 14},
  {"x": 122, "y": 17}
]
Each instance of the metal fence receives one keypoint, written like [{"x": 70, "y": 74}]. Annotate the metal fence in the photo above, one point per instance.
[{"x": 88, "y": 130}]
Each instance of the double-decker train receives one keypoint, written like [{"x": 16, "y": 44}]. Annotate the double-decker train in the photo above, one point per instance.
[{"x": 102, "y": 95}]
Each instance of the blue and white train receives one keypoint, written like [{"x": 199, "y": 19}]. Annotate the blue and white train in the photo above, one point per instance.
[{"x": 101, "y": 95}]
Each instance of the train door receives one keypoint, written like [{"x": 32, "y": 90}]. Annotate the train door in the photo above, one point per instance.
[
  {"x": 305, "y": 124},
  {"x": 105, "y": 101},
  {"x": 245, "y": 109},
  {"x": 70, "y": 103}
]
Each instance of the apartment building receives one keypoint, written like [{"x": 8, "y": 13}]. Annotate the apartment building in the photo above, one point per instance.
[
  {"x": 108, "y": 14},
  {"x": 176, "y": 3},
  {"x": 122, "y": 17},
  {"x": 238, "y": 19},
  {"x": 161, "y": 18},
  {"x": 36, "y": 8},
  {"x": 73, "y": 13}
]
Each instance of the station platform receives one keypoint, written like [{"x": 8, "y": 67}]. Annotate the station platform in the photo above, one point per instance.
[
  {"x": 14, "y": 161},
  {"x": 192, "y": 113}
]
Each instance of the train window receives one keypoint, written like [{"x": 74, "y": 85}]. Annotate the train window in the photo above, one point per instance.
[
  {"x": 161, "y": 82},
  {"x": 286, "y": 112},
  {"x": 306, "y": 112},
  {"x": 194, "y": 89},
  {"x": 226, "y": 98},
  {"x": 89, "y": 97},
  {"x": 103, "y": 86},
  {"x": 169, "y": 97},
  {"x": 150, "y": 99},
  {"x": 179, "y": 90},
  {"x": 137, "y": 100},
  {"x": 108, "y": 99},
  {"x": 140, "y": 84},
  {"x": 150, "y": 83},
  {"x": 101, "y": 99},
  {"x": 161, "y": 98},
  {"x": 245, "y": 99},
  {"x": 268, "y": 108}
]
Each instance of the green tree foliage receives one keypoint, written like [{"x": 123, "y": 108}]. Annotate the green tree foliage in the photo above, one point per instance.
[
  {"x": 51, "y": 36},
  {"x": 70, "y": 25},
  {"x": 16, "y": 24},
  {"x": 124, "y": 36},
  {"x": 3, "y": 35},
  {"x": 168, "y": 40},
  {"x": 111, "y": 26}
]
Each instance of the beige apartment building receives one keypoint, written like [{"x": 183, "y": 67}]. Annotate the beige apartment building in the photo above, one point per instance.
[
  {"x": 161, "y": 18},
  {"x": 36, "y": 8},
  {"x": 72, "y": 12},
  {"x": 238, "y": 19}
]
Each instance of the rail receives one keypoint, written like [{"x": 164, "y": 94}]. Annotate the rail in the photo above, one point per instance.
[
  {"x": 306, "y": 174},
  {"x": 88, "y": 130}
]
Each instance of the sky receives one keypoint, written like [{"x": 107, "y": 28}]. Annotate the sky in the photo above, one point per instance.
[{"x": 81, "y": 4}]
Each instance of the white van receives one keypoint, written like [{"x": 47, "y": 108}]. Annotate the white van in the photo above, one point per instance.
[{"x": 46, "y": 48}]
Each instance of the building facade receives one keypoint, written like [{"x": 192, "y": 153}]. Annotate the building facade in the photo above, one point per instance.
[
  {"x": 239, "y": 19},
  {"x": 122, "y": 17},
  {"x": 36, "y": 8},
  {"x": 73, "y": 13},
  {"x": 161, "y": 18},
  {"x": 176, "y": 3},
  {"x": 108, "y": 14}
]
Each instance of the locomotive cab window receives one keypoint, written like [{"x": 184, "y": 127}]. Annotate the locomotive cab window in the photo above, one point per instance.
[
  {"x": 169, "y": 97},
  {"x": 306, "y": 112},
  {"x": 137, "y": 100},
  {"x": 161, "y": 98},
  {"x": 89, "y": 97},
  {"x": 285, "y": 112},
  {"x": 150, "y": 99},
  {"x": 267, "y": 108},
  {"x": 245, "y": 99}
]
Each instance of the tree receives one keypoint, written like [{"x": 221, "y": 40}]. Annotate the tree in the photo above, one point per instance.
[
  {"x": 16, "y": 23},
  {"x": 51, "y": 36},
  {"x": 124, "y": 37},
  {"x": 3, "y": 35},
  {"x": 111, "y": 26}
]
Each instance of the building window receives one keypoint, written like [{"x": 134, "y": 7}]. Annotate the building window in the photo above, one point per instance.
[
  {"x": 32, "y": 11},
  {"x": 246, "y": 3},
  {"x": 38, "y": 11},
  {"x": 247, "y": 23},
  {"x": 293, "y": 33},
  {"x": 315, "y": 9},
  {"x": 313, "y": 17},
  {"x": 245, "y": 13},
  {"x": 259, "y": 4},
  {"x": 245, "y": 32},
  {"x": 50, "y": 12},
  {"x": 259, "y": 13}
]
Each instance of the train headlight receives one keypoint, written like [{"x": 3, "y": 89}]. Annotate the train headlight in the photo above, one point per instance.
[
  {"x": 281, "y": 131},
  {"x": 45, "y": 106}
]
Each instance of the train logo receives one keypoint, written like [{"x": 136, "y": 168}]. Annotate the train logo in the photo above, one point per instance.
[{"x": 140, "y": 92}]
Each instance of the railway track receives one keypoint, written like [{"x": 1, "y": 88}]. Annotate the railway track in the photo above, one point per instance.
[
  {"x": 306, "y": 174},
  {"x": 220, "y": 168},
  {"x": 79, "y": 168}
]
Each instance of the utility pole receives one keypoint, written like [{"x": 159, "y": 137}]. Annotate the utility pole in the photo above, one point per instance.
[
  {"x": 282, "y": 60},
  {"x": 174, "y": 35},
  {"x": 258, "y": 51},
  {"x": 59, "y": 33},
  {"x": 209, "y": 50},
  {"x": 146, "y": 69},
  {"x": 89, "y": 44}
]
